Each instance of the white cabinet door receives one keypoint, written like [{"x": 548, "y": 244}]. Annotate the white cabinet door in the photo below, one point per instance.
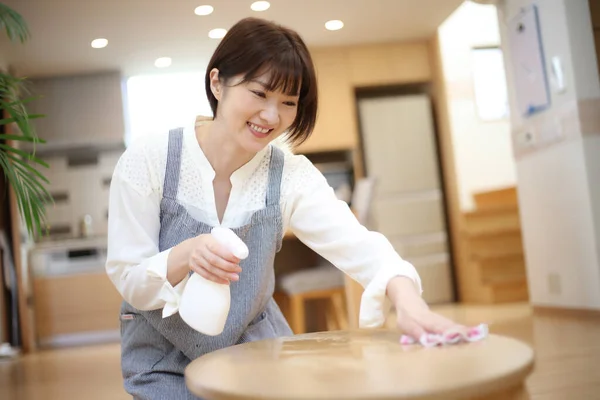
[
  {"x": 399, "y": 143},
  {"x": 408, "y": 208},
  {"x": 409, "y": 214}
]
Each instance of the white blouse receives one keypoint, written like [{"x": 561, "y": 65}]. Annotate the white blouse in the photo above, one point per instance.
[{"x": 309, "y": 208}]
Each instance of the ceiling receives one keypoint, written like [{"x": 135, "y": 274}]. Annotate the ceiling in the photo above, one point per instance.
[{"x": 139, "y": 31}]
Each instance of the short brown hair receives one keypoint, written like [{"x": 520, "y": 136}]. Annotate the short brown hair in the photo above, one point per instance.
[{"x": 253, "y": 47}]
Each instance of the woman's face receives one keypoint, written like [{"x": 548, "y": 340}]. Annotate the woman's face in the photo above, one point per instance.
[{"x": 252, "y": 115}]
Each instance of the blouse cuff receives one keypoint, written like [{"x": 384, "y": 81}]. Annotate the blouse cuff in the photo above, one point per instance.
[
  {"x": 375, "y": 305},
  {"x": 169, "y": 294}
]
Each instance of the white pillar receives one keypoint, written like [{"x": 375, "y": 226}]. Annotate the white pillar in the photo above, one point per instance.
[{"x": 557, "y": 153}]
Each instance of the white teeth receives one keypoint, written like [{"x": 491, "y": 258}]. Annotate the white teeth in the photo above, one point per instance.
[{"x": 258, "y": 129}]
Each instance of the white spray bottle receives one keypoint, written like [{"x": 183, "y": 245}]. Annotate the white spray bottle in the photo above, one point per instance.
[{"x": 205, "y": 304}]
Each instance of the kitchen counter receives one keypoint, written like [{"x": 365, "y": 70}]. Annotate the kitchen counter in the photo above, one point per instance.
[{"x": 73, "y": 243}]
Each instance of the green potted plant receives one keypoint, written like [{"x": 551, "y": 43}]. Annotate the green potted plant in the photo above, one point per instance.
[{"x": 15, "y": 162}]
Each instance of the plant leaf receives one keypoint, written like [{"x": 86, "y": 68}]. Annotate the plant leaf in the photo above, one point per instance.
[
  {"x": 7, "y": 121},
  {"x": 11, "y": 101},
  {"x": 23, "y": 154},
  {"x": 20, "y": 138},
  {"x": 17, "y": 112},
  {"x": 19, "y": 162},
  {"x": 14, "y": 24},
  {"x": 28, "y": 193},
  {"x": 25, "y": 180},
  {"x": 18, "y": 187}
]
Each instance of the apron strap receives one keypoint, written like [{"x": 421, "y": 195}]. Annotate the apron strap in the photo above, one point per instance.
[
  {"x": 275, "y": 174},
  {"x": 171, "y": 182}
]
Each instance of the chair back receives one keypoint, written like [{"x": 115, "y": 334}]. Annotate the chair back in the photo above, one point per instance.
[{"x": 361, "y": 199}]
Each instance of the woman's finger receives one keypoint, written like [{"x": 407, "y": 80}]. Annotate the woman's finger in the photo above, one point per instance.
[
  {"x": 209, "y": 265},
  {"x": 410, "y": 327},
  {"x": 227, "y": 266},
  {"x": 217, "y": 259},
  {"x": 221, "y": 251},
  {"x": 209, "y": 276},
  {"x": 205, "y": 270},
  {"x": 436, "y": 323}
]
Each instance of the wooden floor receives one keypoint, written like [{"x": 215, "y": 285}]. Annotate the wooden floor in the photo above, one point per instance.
[{"x": 567, "y": 359}]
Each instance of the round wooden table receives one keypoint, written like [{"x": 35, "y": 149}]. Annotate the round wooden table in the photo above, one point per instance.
[{"x": 362, "y": 364}]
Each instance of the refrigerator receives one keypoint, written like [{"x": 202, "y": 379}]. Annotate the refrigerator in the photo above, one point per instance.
[{"x": 400, "y": 153}]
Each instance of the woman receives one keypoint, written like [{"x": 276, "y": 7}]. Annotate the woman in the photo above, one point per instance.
[{"x": 169, "y": 190}]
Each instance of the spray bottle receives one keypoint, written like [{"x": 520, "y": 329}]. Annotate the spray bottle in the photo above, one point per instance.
[{"x": 205, "y": 304}]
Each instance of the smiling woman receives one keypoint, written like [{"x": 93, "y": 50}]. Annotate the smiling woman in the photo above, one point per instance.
[
  {"x": 267, "y": 60},
  {"x": 170, "y": 190}
]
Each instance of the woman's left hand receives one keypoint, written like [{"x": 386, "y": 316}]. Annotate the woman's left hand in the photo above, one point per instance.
[{"x": 413, "y": 315}]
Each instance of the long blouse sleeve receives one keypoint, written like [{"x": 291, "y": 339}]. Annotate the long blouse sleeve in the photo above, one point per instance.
[
  {"x": 134, "y": 263},
  {"x": 328, "y": 226}
]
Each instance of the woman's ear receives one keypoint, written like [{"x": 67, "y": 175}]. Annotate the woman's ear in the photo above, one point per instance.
[{"x": 215, "y": 84}]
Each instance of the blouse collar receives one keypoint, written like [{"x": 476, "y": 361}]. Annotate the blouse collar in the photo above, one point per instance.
[{"x": 238, "y": 176}]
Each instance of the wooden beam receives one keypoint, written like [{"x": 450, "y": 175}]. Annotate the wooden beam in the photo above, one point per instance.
[{"x": 463, "y": 281}]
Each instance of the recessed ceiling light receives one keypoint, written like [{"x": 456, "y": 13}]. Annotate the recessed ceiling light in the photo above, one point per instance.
[
  {"x": 204, "y": 10},
  {"x": 334, "y": 25},
  {"x": 162, "y": 62},
  {"x": 260, "y": 6},
  {"x": 99, "y": 43},
  {"x": 217, "y": 33}
]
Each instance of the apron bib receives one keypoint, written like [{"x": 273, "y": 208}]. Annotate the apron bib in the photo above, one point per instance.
[{"x": 156, "y": 350}]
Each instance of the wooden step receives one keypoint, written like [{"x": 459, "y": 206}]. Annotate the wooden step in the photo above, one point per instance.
[
  {"x": 491, "y": 220},
  {"x": 494, "y": 198},
  {"x": 503, "y": 269},
  {"x": 510, "y": 292},
  {"x": 497, "y": 244}
]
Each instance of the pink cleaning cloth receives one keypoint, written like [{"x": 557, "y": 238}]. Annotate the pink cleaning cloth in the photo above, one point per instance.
[{"x": 451, "y": 336}]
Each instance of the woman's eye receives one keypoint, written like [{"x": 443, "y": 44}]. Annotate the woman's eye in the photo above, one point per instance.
[
  {"x": 259, "y": 94},
  {"x": 290, "y": 103}
]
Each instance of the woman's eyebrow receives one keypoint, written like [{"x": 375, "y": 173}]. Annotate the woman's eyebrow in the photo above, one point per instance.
[
  {"x": 266, "y": 87},
  {"x": 261, "y": 83}
]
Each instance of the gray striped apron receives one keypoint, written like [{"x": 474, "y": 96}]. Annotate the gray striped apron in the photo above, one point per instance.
[{"x": 156, "y": 350}]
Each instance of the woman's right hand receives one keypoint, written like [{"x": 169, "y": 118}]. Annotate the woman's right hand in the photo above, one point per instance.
[
  {"x": 212, "y": 260},
  {"x": 205, "y": 256}
]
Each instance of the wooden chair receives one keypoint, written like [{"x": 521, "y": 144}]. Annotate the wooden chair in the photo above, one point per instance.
[{"x": 324, "y": 282}]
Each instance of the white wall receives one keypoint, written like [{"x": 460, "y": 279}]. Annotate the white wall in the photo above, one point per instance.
[
  {"x": 559, "y": 169},
  {"x": 558, "y": 226},
  {"x": 482, "y": 149}
]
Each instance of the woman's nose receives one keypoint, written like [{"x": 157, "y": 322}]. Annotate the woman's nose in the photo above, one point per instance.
[{"x": 270, "y": 114}]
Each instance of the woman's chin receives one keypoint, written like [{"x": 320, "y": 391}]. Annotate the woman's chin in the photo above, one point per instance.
[{"x": 252, "y": 144}]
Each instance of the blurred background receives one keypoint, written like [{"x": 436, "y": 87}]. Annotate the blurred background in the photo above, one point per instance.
[{"x": 467, "y": 132}]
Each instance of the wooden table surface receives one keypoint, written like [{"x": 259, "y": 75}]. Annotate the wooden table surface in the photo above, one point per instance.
[{"x": 362, "y": 364}]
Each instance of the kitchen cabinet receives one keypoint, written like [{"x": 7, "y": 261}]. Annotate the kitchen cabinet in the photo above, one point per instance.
[
  {"x": 389, "y": 64},
  {"x": 341, "y": 70},
  {"x": 69, "y": 307},
  {"x": 81, "y": 110},
  {"x": 74, "y": 301},
  {"x": 336, "y": 121}
]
